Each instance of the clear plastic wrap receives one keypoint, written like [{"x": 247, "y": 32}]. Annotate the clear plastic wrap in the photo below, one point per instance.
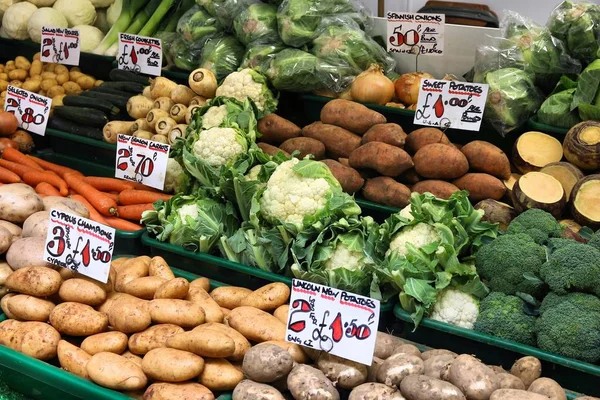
[
  {"x": 578, "y": 25},
  {"x": 222, "y": 55},
  {"x": 181, "y": 53},
  {"x": 258, "y": 57},
  {"x": 300, "y": 21},
  {"x": 294, "y": 70},
  {"x": 257, "y": 24},
  {"x": 197, "y": 25},
  {"x": 227, "y": 10}
]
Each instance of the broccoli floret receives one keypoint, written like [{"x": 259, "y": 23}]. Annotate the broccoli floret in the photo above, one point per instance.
[
  {"x": 504, "y": 316},
  {"x": 558, "y": 243},
  {"x": 595, "y": 240},
  {"x": 575, "y": 267},
  {"x": 570, "y": 330},
  {"x": 585, "y": 301},
  {"x": 504, "y": 262},
  {"x": 536, "y": 223}
]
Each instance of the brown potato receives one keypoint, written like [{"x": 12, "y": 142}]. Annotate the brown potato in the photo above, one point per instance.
[
  {"x": 440, "y": 161},
  {"x": 509, "y": 381},
  {"x": 275, "y": 129},
  {"x": 28, "y": 308},
  {"x": 159, "y": 267},
  {"x": 441, "y": 189},
  {"x": 528, "y": 369},
  {"x": 421, "y": 137},
  {"x": 421, "y": 387},
  {"x": 112, "y": 342},
  {"x": 179, "y": 312},
  {"x": 129, "y": 314},
  {"x": 144, "y": 287},
  {"x": 476, "y": 380},
  {"x": 282, "y": 312},
  {"x": 385, "y": 345},
  {"x": 76, "y": 319},
  {"x": 212, "y": 311},
  {"x": 485, "y": 157},
  {"x": 306, "y": 146},
  {"x": 270, "y": 149},
  {"x": 338, "y": 141},
  {"x": 434, "y": 366},
  {"x": 248, "y": 390},
  {"x": 549, "y": 388},
  {"x": 350, "y": 115},
  {"x": 481, "y": 186},
  {"x": 179, "y": 391},
  {"x": 268, "y": 297},
  {"x": 172, "y": 365},
  {"x": 256, "y": 325},
  {"x": 115, "y": 372},
  {"x": 229, "y": 296},
  {"x": 132, "y": 357},
  {"x": 203, "y": 283},
  {"x": 220, "y": 375},
  {"x": 306, "y": 382},
  {"x": 348, "y": 177},
  {"x": 174, "y": 289},
  {"x": 133, "y": 269},
  {"x": 73, "y": 359},
  {"x": 266, "y": 363},
  {"x": 8, "y": 333},
  {"x": 296, "y": 351},
  {"x": 153, "y": 338},
  {"x": 215, "y": 344},
  {"x": 4, "y": 305},
  {"x": 34, "y": 281},
  {"x": 515, "y": 394},
  {"x": 347, "y": 374},
  {"x": 385, "y": 190},
  {"x": 37, "y": 339},
  {"x": 242, "y": 345},
  {"x": 374, "y": 391},
  {"x": 384, "y": 158},
  {"x": 389, "y": 133},
  {"x": 397, "y": 367},
  {"x": 82, "y": 291},
  {"x": 437, "y": 352}
]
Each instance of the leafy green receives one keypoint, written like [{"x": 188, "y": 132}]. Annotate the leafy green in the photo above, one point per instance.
[
  {"x": 294, "y": 70},
  {"x": 257, "y": 24},
  {"x": 556, "y": 110},
  {"x": 222, "y": 55},
  {"x": 587, "y": 96},
  {"x": 258, "y": 56},
  {"x": 197, "y": 25}
]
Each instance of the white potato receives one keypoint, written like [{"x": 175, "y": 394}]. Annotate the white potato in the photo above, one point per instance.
[{"x": 37, "y": 224}]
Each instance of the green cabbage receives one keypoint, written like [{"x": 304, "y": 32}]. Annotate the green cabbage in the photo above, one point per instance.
[
  {"x": 258, "y": 56},
  {"x": 556, "y": 110},
  {"x": 222, "y": 55},
  {"x": 197, "y": 25},
  {"x": 294, "y": 70},
  {"x": 257, "y": 24}
]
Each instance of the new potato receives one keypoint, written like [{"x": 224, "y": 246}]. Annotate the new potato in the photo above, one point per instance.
[
  {"x": 266, "y": 363},
  {"x": 248, "y": 390},
  {"x": 174, "y": 289},
  {"x": 256, "y": 325},
  {"x": 229, "y": 297},
  {"x": 144, "y": 287},
  {"x": 306, "y": 383},
  {"x": 420, "y": 387},
  {"x": 205, "y": 343},
  {"x": 268, "y": 297},
  {"x": 397, "y": 367},
  {"x": 179, "y": 312},
  {"x": 374, "y": 391},
  {"x": 242, "y": 345},
  {"x": 345, "y": 373}
]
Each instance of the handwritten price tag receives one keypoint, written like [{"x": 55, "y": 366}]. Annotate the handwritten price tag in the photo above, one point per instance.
[
  {"x": 451, "y": 104},
  {"x": 333, "y": 320},
  {"x": 31, "y": 109},
  {"x": 139, "y": 54},
  {"x": 79, "y": 244},
  {"x": 60, "y": 45},
  {"x": 412, "y": 33},
  {"x": 142, "y": 161}
]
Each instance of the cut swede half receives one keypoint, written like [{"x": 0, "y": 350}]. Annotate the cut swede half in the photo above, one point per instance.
[
  {"x": 585, "y": 201},
  {"x": 566, "y": 173},
  {"x": 582, "y": 145},
  {"x": 539, "y": 190},
  {"x": 534, "y": 150}
]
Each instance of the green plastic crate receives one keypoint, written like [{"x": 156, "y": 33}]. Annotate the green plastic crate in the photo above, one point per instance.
[
  {"x": 555, "y": 131},
  {"x": 576, "y": 375},
  {"x": 96, "y": 151},
  {"x": 379, "y": 212}
]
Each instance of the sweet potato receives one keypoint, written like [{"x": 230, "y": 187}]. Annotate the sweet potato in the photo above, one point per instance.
[
  {"x": 387, "y": 133},
  {"x": 270, "y": 149},
  {"x": 348, "y": 177},
  {"x": 481, "y": 186},
  {"x": 409, "y": 177},
  {"x": 485, "y": 157},
  {"x": 305, "y": 146},
  {"x": 440, "y": 161},
  {"x": 350, "y": 115},
  {"x": 338, "y": 142},
  {"x": 441, "y": 189},
  {"x": 386, "y": 159},
  {"x": 275, "y": 129},
  {"x": 385, "y": 190},
  {"x": 422, "y": 137}
]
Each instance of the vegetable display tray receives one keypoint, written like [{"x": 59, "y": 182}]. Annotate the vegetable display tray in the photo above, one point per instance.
[
  {"x": 220, "y": 269},
  {"x": 80, "y": 147},
  {"x": 576, "y": 375},
  {"x": 555, "y": 131}
]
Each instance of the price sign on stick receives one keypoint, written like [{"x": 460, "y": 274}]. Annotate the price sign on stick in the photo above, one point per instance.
[
  {"x": 451, "y": 104},
  {"x": 142, "y": 161},
  {"x": 79, "y": 244},
  {"x": 411, "y": 33},
  {"x": 60, "y": 45},
  {"x": 333, "y": 320},
  {"x": 139, "y": 54},
  {"x": 31, "y": 109}
]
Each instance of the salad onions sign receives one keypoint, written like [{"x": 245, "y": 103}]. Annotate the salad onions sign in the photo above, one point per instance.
[
  {"x": 79, "y": 244},
  {"x": 139, "y": 54},
  {"x": 142, "y": 161},
  {"x": 412, "y": 33},
  {"x": 60, "y": 45},
  {"x": 333, "y": 320},
  {"x": 31, "y": 109},
  {"x": 451, "y": 104}
]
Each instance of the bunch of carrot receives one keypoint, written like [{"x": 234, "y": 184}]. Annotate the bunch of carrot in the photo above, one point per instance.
[{"x": 110, "y": 201}]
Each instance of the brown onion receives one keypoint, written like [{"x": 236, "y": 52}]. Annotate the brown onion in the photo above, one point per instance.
[
  {"x": 407, "y": 86},
  {"x": 23, "y": 140},
  {"x": 8, "y": 123},
  {"x": 372, "y": 86}
]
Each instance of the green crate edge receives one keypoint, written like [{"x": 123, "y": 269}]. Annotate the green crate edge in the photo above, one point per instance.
[
  {"x": 533, "y": 124},
  {"x": 76, "y": 146}
]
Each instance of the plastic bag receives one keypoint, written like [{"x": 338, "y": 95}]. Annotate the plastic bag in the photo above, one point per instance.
[
  {"x": 257, "y": 24},
  {"x": 259, "y": 56},
  {"x": 294, "y": 70},
  {"x": 227, "y": 10},
  {"x": 184, "y": 55},
  {"x": 222, "y": 55},
  {"x": 196, "y": 25},
  {"x": 300, "y": 21}
]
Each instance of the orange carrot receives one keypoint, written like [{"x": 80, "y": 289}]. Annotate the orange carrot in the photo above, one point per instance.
[
  {"x": 94, "y": 214},
  {"x": 140, "y": 186},
  {"x": 104, "y": 204},
  {"x": 132, "y": 196},
  {"x": 18, "y": 169},
  {"x": 108, "y": 184},
  {"x": 15, "y": 155},
  {"x": 113, "y": 196},
  {"x": 48, "y": 166},
  {"x": 46, "y": 189},
  {"x": 7, "y": 176},
  {"x": 134, "y": 212},
  {"x": 123, "y": 225},
  {"x": 33, "y": 178}
]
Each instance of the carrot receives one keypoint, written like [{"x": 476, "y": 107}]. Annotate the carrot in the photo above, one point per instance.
[
  {"x": 20, "y": 158},
  {"x": 58, "y": 169},
  {"x": 94, "y": 214},
  {"x": 132, "y": 196},
  {"x": 7, "y": 176},
  {"x": 123, "y": 225},
  {"x": 33, "y": 178},
  {"x": 141, "y": 186},
  {"x": 134, "y": 212},
  {"x": 18, "y": 169},
  {"x": 46, "y": 189},
  {"x": 113, "y": 196},
  {"x": 104, "y": 204},
  {"x": 108, "y": 184}
]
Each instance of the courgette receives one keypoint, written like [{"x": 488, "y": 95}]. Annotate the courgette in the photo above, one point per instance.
[
  {"x": 118, "y": 101},
  {"x": 99, "y": 104},
  {"x": 129, "y": 87},
  {"x": 119, "y": 75},
  {"x": 64, "y": 125},
  {"x": 82, "y": 115},
  {"x": 111, "y": 91}
]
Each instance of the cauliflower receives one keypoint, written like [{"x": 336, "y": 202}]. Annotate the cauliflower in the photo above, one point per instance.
[
  {"x": 214, "y": 116},
  {"x": 44, "y": 16},
  {"x": 406, "y": 212},
  {"x": 248, "y": 83},
  {"x": 252, "y": 175},
  {"x": 173, "y": 176},
  {"x": 188, "y": 210},
  {"x": 342, "y": 257},
  {"x": 290, "y": 196},
  {"x": 14, "y": 21},
  {"x": 418, "y": 235},
  {"x": 219, "y": 146},
  {"x": 456, "y": 308},
  {"x": 77, "y": 12}
]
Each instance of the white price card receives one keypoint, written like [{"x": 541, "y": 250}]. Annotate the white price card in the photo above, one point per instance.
[
  {"x": 451, "y": 104},
  {"x": 79, "y": 244},
  {"x": 60, "y": 45},
  {"x": 31, "y": 109},
  {"x": 333, "y": 320},
  {"x": 139, "y": 54},
  {"x": 142, "y": 161},
  {"x": 413, "y": 33}
]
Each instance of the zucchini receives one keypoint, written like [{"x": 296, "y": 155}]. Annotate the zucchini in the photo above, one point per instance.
[
  {"x": 99, "y": 104},
  {"x": 119, "y": 75},
  {"x": 82, "y": 115},
  {"x": 129, "y": 87},
  {"x": 118, "y": 101},
  {"x": 64, "y": 125},
  {"x": 111, "y": 91}
]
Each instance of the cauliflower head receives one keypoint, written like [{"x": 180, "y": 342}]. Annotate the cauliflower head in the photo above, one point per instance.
[
  {"x": 188, "y": 210},
  {"x": 252, "y": 175},
  {"x": 456, "y": 308},
  {"x": 248, "y": 83},
  {"x": 406, "y": 212},
  {"x": 219, "y": 146},
  {"x": 289, "y": 196},
  {"x": 418, "y": 235},
  {"x": 173, "y": 175},
  {"x": 343, "y": 257},
  {"x": 214, "y": 116}
]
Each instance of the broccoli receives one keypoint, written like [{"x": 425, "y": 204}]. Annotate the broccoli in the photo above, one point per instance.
[
  {"x": 536, "y": 223},
  {"x": 558, "y": 243},
  {"x": 504, "y": 262},
  {"x": 585, "y": 301},
  {"x": 504, "y": 316},
  {"x": 575, "y": 267},
  {"x": 595, "y": 240},
  {"x": 571, "y": 329}
]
